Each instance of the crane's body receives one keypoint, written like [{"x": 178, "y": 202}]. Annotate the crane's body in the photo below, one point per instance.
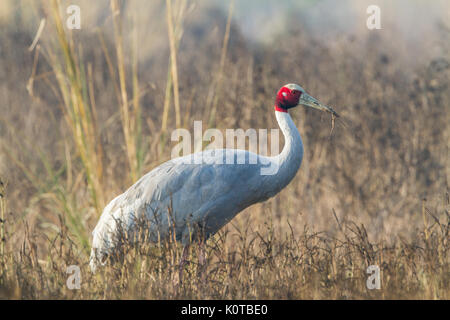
[{"x": 193, "y": 200}]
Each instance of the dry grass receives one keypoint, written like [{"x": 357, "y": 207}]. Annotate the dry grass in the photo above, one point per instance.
[
  {"x": 87, "y": 112},
  {"x": 243, "y": 265}
]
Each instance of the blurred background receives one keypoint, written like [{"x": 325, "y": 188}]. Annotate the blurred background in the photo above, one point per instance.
[{"x": 84, "y": 113}]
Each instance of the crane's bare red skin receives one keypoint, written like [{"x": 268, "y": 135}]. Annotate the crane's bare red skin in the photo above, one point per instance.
[
  {"x": 277, "y": 108},
  {"x": 286, "y": 99}
]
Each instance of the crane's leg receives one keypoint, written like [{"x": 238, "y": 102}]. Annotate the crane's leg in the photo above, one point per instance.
[{"x": 183, "y": 262}]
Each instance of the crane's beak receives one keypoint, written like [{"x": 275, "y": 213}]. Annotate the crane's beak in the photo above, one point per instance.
[{"x": 309, "y": 101}]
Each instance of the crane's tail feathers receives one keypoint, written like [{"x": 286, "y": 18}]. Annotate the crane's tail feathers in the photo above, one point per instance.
[
  {"x": 97, "y": 259},
  {"x": 111, "y": 235}
]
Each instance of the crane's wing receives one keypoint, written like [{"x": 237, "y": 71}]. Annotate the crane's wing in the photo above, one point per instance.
[{"x": 183, "y": 197}]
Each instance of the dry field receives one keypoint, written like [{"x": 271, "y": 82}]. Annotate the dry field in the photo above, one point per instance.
[{"x": 84, "y": 113}]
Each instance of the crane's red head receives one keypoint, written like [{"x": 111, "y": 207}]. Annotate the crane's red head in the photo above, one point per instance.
[
  {"x": 291, "y": 95},
  {"x": 288, "y": 97}
]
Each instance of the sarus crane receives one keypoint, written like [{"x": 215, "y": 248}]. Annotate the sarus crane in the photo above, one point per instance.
[{"x": 191, "y": 201}]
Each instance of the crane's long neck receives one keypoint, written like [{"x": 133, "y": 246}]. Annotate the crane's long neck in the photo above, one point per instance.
[{"x": 290, "y": 159}]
